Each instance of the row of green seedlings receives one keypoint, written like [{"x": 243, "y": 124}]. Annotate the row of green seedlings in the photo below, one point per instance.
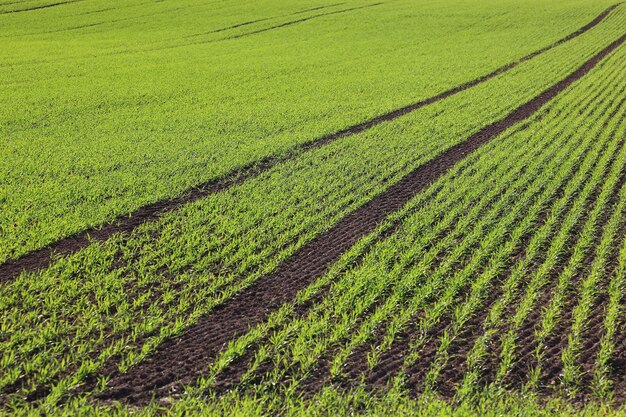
[
  {"x": 613, "y": 317},
  {"x": 537, "y": 249},
  {"x": 176, "y": 306},
  {"x": 499, "y": 254},
  {"x": 545, "y": 246},
  {"x": 588, "y": 287},
  {"x": 379, "y": 310},
  {"x": 539, "y": 281},
  {"x": 611, "y": 237}
]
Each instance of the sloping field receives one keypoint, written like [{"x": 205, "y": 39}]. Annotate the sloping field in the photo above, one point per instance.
[{"x": 340, "y": 208}]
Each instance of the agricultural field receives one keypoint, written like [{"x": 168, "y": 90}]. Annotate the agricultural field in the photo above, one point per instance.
[{"x": 312, "y": 207}]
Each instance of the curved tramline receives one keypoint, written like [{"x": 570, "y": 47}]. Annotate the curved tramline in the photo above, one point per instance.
[
  {"x": 250, "y": 22},
  {"x": 43, "y": 257},
  {"x": 433, "y": 228},
  {"x": 203, "y": 341},
  {"x": 43, "y": 6}
]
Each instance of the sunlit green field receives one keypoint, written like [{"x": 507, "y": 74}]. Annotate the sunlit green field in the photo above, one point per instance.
[{"x": 498, "y": 288}]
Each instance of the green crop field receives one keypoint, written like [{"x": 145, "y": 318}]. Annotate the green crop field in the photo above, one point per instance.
[{"x": 313, "y": 207}]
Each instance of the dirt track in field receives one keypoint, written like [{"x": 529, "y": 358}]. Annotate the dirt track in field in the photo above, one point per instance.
[
  {"x": 43, "y": 6},
  {"x": 293, "y": 22},
  {"x": 265, "y": 19},
  {"x": 180, "y": 361},
  {"x": 42, "y": 258}
]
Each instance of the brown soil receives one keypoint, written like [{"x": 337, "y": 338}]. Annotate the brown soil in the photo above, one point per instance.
[
  {"x": 180, "y": 361},
  {"x": 41, "y": 258}
]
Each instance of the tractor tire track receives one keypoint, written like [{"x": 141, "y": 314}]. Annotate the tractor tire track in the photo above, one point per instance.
[
  {"x": 293, "y": 22},
  {"x": 43, "y": 6},
  {"x": 264, "y": 19},
  {"x": 183, "y": 360},
  {"x": 43, "y": 257}
]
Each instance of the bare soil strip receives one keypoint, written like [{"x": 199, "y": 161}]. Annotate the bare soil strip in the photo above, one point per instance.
[
  {"x": 42, "y": 258},
  {"x": 180, "y": 361},
  {"x": 294, "y": 22},
  {"x": 251, "y": 22}
]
